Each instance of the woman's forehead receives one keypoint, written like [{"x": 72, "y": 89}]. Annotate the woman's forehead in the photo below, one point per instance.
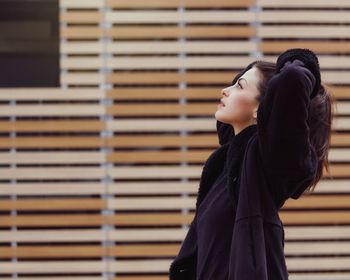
[{"x": 251, "y": 76}]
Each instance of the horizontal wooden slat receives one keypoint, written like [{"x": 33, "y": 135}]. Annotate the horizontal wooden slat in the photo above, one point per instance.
[
  {"x": 81, "y": 251},
  {"x": 323, "y": 17},
  {"x": 52, "y": 157},
  {"x": 317, "y": 248},
  {"x": 58, "y": 94},
  {"x": 53, "y": 204},
  {"x": 177, "y": 3},
  {"x": 163, "y": 31},
  {"x": 75, "y": 220},
  {"x": 82, "y": 17},
  {"x": 47, "y": 188},
  {"x": 324, "y": 201},
  {"x": 82, "y": 32},
  {"x": 52, "y": 126},
  {"x": 51, "y": 110},
  {"x": 310, "y": 232},
  {"x": 305, "y": 4},
  {"x": 338, "y": 31},
  {"x": 162, "y": 47},
  {"x": 236, "y": 16},
  {"x": 319, "y": 46},
  {"x": 337, "y": 275},
  {"x": 47, "y": 172},
  {"x": 53, "y": 142}
]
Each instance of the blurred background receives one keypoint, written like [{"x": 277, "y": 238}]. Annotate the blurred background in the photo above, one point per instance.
[{"x": 107, "y": 117}]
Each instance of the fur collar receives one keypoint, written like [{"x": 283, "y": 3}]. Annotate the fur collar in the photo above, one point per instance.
[{"x": 228, "y": 156}]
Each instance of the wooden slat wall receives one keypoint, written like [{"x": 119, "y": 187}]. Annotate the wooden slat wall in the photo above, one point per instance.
[{"x": 99, "y": 177}]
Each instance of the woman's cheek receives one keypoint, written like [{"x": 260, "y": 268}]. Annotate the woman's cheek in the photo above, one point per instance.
[{"x": 241, "y": 107}]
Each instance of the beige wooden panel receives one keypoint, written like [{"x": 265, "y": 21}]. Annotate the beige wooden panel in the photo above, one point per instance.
[
  {"x": 200, "y": 62},
  {"x": 320, "y": 276},
  {"x": 82, "y": 48},
  {"x": 82, "y": 63},
  {"x": 323, "y": 17},
  {"x": 190, "y": 31},
  {"x": 156, "y": 157},
  {"x": 53, "y": 267},
  {"x": 162, "y": 109},
  {"x": 81, "y": 32},
  {"x": 178, "y": 3},
  {"x": 338, "y": 31},
  {"x": 52, "y": 126},
  {"x": 162, "y": 203},
  {"x": 51, "y": 94},
  {"x": 82, "y": 79},
  {"x": 38, "y": 252},
  {"x": 81, "y": 17},
  {"x": 236, "y": 16},
  {"x": 83, "y": 4},
  {"x": 153, "y": 188},
  {"x": 325, "y": 263},
  {"x": 40, "y": 173},
  {"x": 40, "y": 188},
  {"x": 203, "y": 140},
  {"x": 53, "y": 142},
  {"x": 317, "y": 232},
  {"x": 161, "y": 125},
  {"x": 140, "y": 266},
  {"x": 53, "y": 204},
  {"x": 51, "y": 110},
  {"x": 52, "y": 157},
  {"x": 42, "y": 236},
  {"x": 129, "y": 47},
  {"x": 163, "y": 78},
  {"x": 304, "y": 4},
  {"x": 164, "y": 93},
  {"x": 318, "y": 45},
  {"x": 317, "y": 247}
]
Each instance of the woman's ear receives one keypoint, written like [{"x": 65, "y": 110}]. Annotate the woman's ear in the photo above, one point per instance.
[{"x": 255, "y": 113}]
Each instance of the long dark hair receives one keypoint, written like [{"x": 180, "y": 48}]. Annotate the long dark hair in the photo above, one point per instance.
[{"x": 320, "y": 116}]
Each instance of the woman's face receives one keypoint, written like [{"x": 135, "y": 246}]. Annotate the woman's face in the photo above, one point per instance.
[{"x": 238, "y": 104}]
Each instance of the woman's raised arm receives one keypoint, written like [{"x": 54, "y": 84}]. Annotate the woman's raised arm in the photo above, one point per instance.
[{"x": 282, "y": 118}]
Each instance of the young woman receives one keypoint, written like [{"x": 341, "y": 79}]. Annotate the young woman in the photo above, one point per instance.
[{"x": 273, "y": 125}]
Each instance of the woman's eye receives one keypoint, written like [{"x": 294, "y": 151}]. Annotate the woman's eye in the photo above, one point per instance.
[{"x": 238, "y": 84}]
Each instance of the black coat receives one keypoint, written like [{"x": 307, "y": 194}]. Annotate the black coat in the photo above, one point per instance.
[{"x": 277, "y": 162}]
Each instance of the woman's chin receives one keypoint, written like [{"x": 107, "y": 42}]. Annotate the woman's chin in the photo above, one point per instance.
[{"x": 218, "y": 115}]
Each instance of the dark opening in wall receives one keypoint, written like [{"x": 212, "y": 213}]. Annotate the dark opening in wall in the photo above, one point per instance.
[{"x": 29, "y": 43}]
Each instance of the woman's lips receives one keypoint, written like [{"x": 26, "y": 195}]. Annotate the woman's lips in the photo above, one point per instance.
[{"x": 221, "y": 105}]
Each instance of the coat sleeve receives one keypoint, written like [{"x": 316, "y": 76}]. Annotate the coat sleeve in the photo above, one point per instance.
[
  {"x": 184, "y": 264},
  {"x": 283, "y": 130}
]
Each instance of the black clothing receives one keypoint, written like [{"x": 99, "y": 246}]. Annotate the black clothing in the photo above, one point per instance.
[
  {"x": 214, "y": 231},
  {"x": 308, "y": 57},
  {"x": 277, "y": 163},
  {"x": 215, "y": 220}
]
